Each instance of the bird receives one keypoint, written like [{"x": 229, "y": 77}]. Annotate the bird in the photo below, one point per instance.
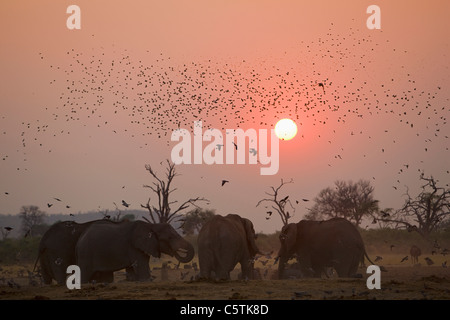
[
  {"x": 322, "y": 85},
  {"x": 306, "y": 200},
  {"x": 429, "y": 261},
  {"x": 404, "y": 259},
  {"x": 253, "y": 151},
  {"x": 8, "y": 228},
  {"x": 224, "y": 181},
  {"x": 57, "y": 199},
  {"x": 384, "y": 214},
  {"x": 49, "y": 205},
  {"x": 125, "y": 204},
  {"x": 183, "y": 275},
  {"x": 7, "y": 193},
  {"x": 235, "y": 145},
  {"x": 68, "y": 207}
]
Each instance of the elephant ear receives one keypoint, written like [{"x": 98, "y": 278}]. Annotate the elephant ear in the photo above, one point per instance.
[
  {"x": 146, "y": 240},
  {"x": 250, "y": 236}
]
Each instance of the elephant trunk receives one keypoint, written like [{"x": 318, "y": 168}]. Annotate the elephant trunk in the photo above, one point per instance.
[{"x": 184, "y": 253}]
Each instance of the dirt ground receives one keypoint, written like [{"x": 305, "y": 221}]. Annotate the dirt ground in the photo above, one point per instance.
[{"x": 401, "y": 281}]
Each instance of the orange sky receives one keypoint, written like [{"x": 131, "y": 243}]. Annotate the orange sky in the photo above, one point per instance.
[{"x": 378, "y": 82}]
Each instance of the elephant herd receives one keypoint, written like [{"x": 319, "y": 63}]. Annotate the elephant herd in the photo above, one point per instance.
[{"x": 102, "y": 247}]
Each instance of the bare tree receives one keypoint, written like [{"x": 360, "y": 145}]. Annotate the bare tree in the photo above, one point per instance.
[
  {"x": 279, "y": 205},
  {"x": 348, "y": 200},
  {"x": 162, "y": 212},
  {"x": 31, "y": 217},
  {"x": 425, "y": 213}
]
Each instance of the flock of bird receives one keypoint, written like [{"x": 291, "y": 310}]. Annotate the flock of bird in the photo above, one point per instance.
[{"x": 324, "y": 83}]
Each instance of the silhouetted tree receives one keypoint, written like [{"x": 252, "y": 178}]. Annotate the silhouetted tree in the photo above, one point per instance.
[
  {"x": 424, "y": 213},
  {"x": 31, "y": 217},
  {"x": 279, "y": 205},
  {"x": 162, "y": 212},
  {"x": 348, "y": 200}
]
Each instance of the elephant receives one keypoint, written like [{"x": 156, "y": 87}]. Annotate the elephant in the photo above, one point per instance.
[
  {"x": 224, "y": 241},
  {"x": 319, "y": 245},
  {"x": 108, "y": 248},
  {"x": 57, "y": 250}
]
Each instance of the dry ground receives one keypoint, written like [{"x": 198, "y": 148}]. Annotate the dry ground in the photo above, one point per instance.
[{"x": 402, "y": 281}]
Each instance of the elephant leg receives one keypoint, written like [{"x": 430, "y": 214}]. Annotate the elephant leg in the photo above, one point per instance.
[
  {"x": 130, "y": 274},
  {"x": 46, "y": 271},
  {"x": 222, "y": 270},
  {"x": 246, "y": 270},
  {"x": 206, "y": 264},
  {"x": 86, "y": 273},
  {"x": 222, "y": 273},
  {"x": 142, "y": 269},
  {"x": 103, "y": 277},
  {"x": 59, "y": 272}
]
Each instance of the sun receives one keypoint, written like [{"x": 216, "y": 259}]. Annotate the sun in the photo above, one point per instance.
[{"x": 285, "y": 129}]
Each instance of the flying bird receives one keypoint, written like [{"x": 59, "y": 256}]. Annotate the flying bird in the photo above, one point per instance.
[
  {"x": 404, "y": 259},
  {"x": 57, "y": 199},
  {"x": 322, "y": 85},
  {"x": 224, "y": 181},
  {"x": 125, "y": 204}
]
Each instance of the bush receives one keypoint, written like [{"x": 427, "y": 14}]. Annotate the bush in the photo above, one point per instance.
[{"x": 16, "y": 250}]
